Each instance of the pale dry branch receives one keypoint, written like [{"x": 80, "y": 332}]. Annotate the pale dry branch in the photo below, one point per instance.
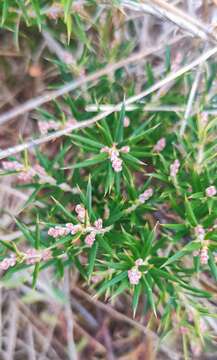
[
  {"x": 12, "y": 330},
  {"x": 72, "y": 353},
  {"x": 176, "y": 15},
  {"x": 192, "y": 95},
  {"x": 146, "y": 108}
]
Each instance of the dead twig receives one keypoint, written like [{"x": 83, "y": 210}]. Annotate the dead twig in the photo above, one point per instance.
[
  {"x": 72, "y": 353},
  {"x": 191, "y": 99},
  {"x": 122, "y": 317},
  {"x": 176, "y": 15},
  {"x": 12, "y": 331}
]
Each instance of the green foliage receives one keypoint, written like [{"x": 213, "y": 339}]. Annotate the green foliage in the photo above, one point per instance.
[{"x": 116, "y": 174}]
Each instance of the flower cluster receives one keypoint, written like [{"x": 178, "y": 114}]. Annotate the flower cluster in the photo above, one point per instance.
[
  {"x": 204, "y": 257},
  {"x": 174, "y": 168},
  {"x": 72, "y": 229},
  {"x": 203, "y": 253},
  {"x": 160, "y": 145},
  {"x": 8, "y": 262},
  {"x": 25, "y": 174},
  {"x": 12, "y": 166},
  {"x": 30, "y": 257},
  {"x": 145, "y": 195},
  {"x": 81, "y": 213},
  {"x": 199, "y": 232},
  {"x": 33, "y": 256},
  {"x": 59, "y": 231},
  {"x": 134, "y": 274},
  {"x": 114, "y": 155}
]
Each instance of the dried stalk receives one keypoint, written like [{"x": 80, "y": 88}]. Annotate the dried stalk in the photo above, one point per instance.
[
  {"x": 191, "y": 99},
  {"x": 176, "y": 15}
]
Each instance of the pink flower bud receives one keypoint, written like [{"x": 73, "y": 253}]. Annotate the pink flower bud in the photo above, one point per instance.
[
  {"x": 117, "y": 165},
  {"x": 52, "y": 232},
  {"x": 8, "y": 262},
  {"x": 160, "y": 145},
  {"x": 98, "y": 224},
  {"x": 58, "y": 231},
  {"x": 174, "y": 168},
  {"x": 12, "y": 165},
  {"x": 80, "y": 210},
  {"x": 126, "y": 122},
  {"x": 211, "y": 191},
  {"x": 73, "y": 229},
  {"x": 114, "y": 155},
  {"x": 204, "y": 257},
  {"x": 139, "y": 262},
  {"x": 105, "y": 149},
  {"x": 96, "y": 279},
  {"x": 90, "y": 239},
  {"x": 32, "y": 257},
  {"x": 125, "y": 149},
  {"x": 5, "y": 264},
  {"x": 46, "y": 255},
  {"x": 146, "y": 195},
  {"x": 199, "y": 232},
  {"x": 134, "y": 275}
]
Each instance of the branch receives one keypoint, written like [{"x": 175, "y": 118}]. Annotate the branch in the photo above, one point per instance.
[{"x": 176, "y": 15}]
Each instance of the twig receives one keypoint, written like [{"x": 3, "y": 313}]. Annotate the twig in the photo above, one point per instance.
[
  {"x": 69, "y": 320},
  {"x": 147, "y": 108},
  {"x": 191, "y": 99},
  {"x": 30, "y": 339},
  {"x": 56, "y": 48},
  {"x": 89, "y": 318},
  {"x": 40, "y": 331},
  {"x": 12, "y": 331},
  {"x": 122, "y": 317},
  {"x": 87, "y": 123},
  {"x": 92, "y": 340},
  {"x": 177, "y": 16},
  {"x": 34, "y": 103}
]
